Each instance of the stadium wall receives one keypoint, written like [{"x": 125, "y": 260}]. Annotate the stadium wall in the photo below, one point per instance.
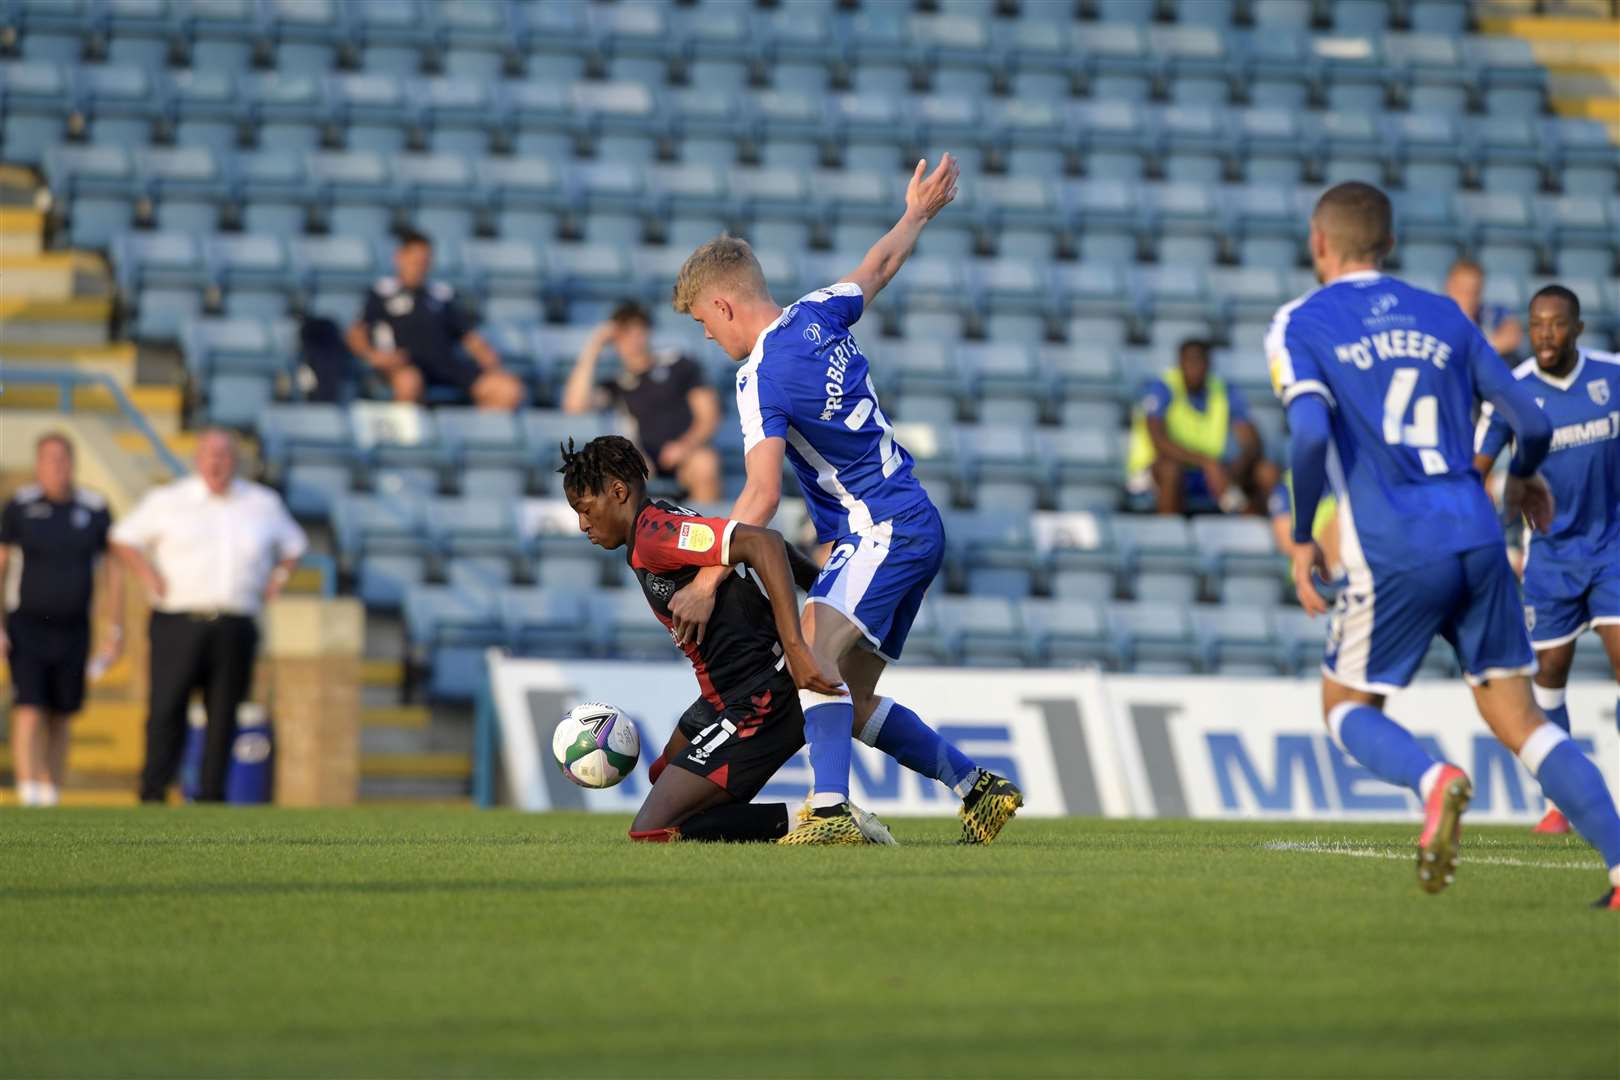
[{"x": 1078, "y": 742}]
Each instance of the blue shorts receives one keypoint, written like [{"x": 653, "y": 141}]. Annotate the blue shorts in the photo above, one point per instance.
[
  {"x": 1383, "y": 623},
  {"x": 1562, "y": 600},
  {"x": 877, "y": 578}
]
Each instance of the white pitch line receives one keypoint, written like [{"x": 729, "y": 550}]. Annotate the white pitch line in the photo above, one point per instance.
[{"x": 1320, "y": 848}]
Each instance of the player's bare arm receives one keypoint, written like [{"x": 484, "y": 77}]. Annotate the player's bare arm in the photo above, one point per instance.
[
  {"x": 766, "y": 552},
  {"x": 480, "y": 350},
  {"x": 925, "y": 197},
  {"x": 579, "y": 392},
  {"x": 705, "y": 406},
  {"x": 762, "y": 493}
]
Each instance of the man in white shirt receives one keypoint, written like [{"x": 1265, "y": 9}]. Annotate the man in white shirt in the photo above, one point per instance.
[{"x": 211, "y": 549}]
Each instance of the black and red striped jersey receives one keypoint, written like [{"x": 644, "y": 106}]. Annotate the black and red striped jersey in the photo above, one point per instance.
[{"x": 740, "y": 651}]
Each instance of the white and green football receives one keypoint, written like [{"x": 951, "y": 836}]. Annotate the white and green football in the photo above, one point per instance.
[{"x": 595, "y": 745}]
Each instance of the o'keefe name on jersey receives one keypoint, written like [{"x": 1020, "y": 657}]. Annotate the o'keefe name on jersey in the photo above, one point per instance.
[{"x": 1394, "y": 345}]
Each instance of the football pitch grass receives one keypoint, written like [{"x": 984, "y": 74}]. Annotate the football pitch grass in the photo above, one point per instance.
[{"x": 386, "y": 942}]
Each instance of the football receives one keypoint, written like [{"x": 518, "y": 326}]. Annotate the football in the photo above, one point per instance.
[{"x": 595, "y": 745}]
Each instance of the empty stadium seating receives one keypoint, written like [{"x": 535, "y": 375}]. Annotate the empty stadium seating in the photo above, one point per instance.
[{"x": 1135, "y": 171}]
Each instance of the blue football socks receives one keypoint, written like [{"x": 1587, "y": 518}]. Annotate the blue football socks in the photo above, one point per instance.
[
  {"x": 901, "y": 733},
  {"x": 1576, "y": 787},
  {"x": 827, "y": 724},
  {"x": 1380, "y": 745}
]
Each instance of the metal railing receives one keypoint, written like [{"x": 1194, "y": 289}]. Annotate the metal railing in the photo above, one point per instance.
[{"x": 66, "y": 382}]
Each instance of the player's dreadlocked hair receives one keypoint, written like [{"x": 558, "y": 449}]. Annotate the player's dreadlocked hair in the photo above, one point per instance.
[{"x": 604, "y": 458}]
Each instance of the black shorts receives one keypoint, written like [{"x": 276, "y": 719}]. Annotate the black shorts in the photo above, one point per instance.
[
  {"x": 48, "y": 658},
  {"x": 741, "y": 748},
  {"x": 450, "y": 375}
]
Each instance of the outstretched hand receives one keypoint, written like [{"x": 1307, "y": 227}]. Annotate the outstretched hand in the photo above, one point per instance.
[
  {"x": 927, "y": 196},
  {"x": 1531, "y": 497}
]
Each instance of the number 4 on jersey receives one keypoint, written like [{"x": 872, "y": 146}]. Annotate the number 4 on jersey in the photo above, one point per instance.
[{"x": 1423, "y": 433}]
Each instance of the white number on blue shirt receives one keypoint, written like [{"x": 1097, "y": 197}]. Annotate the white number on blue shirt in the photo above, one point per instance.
[{"x": 1423, "y": 433}]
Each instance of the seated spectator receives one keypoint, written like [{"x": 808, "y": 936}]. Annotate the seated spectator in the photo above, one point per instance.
[
  {"x": 412, "y": 331},
  {"x": 1192, "y": 442},
  {"x": 661, "y": 393},
  {"x": 1465, "y": 283}
]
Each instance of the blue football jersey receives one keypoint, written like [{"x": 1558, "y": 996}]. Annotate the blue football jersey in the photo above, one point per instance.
[
  {"x": 808, "y": 382},
  {"x": 1400, "y": 369},
  {"x": 1583, "y": 466}
]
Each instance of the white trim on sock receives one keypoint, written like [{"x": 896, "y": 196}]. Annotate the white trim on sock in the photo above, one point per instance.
[
  {"x": 809, "y": 699},
  {"x": 1431, "y": 776},
  {"x": 1548, "y": 697},
  {"x": 1335, "y": 719},
  {"x": 874, "y": 723},
  {"x": 45, "y": 793},
  {"x": 827, "y": 798},
  {"x": 25, "y": 793},
  {"x": 1543, "y": 741}
]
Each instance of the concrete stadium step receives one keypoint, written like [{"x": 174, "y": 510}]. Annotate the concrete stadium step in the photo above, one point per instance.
[
  {"x": 81, "y": 321},
  {"x": 55, "y": 275},
  {"x": 106, "y": 740},
  {"x": 1581, "y": 55},
  {"x": 161, "y": 405},
  {"x": 440, "y": 765},
  {"x": 117, "y": 361}
]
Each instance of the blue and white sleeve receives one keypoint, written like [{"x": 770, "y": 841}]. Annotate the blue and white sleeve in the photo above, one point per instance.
[
  {"x": 1294, "y": 366},
  {"x": 841, "y": 304},
  {"x": 763, "y": 410}
]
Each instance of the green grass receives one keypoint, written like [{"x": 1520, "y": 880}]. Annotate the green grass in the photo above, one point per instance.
[{"x": 401, "y": 942}]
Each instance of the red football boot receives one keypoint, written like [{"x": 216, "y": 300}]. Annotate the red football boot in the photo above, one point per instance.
[
  {"x": 1554, "y": 824},
  {"x": 1442, "y": 828}
]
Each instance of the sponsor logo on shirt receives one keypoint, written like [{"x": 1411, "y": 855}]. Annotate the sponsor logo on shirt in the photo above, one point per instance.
[
  {"x": 1587, "y": 432},
  {"x": 695, "y": 536}
]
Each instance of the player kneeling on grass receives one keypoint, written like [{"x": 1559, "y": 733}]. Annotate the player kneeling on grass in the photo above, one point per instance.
[{"x": 750, "y": 674}]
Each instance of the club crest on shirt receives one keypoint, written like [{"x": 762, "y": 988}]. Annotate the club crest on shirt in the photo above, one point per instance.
[
  {"x": 663, "y": 588},
  {"x": 695, "y": 536},
  {"x": 81, "y": 517},
  {"x": 1599, "y": 389},
  {"x": 400, "y": 304}
]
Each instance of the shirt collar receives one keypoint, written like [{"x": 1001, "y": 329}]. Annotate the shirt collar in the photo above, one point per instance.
[
  {"x": 1568, "y": 380},
  {"x": 1358, "y": 275},
  {"x": 197, "y": 488}
]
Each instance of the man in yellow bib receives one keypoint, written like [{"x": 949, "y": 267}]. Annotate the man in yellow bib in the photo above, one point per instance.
[{"x": 1192, "y": 441}]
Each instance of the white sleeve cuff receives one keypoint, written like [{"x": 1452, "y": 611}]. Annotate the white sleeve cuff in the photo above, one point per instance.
[
  {"x": 1308, "y": 386},
  {"x": 725, "y": 543}
]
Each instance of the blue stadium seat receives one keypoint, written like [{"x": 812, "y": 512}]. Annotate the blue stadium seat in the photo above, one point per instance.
[
  {"x": 1166, "y": 588},
  {"x": 1157, "y": 542},
  {"x": 984, "y": 631},
  {"x": 312, "y": 490},
  {"x": 477, "y": 437},
  {"x": 1230, "y": 636},
  {"x": 1234, "y": 545},
  {"x": 1076, "y": 540},
  {"x": 546, "y": 621},
  {"x": 443, "y": 615},
  {"x": 1079, "y": 455},
  {"x": 165, "y": 260},
  {"x": 236, "y": 400},
  {"x": 406, "y": 481},
  {"x": 1148, "y": 633},
  {"x": 475, "y": 525},
  {"x": 625, "y": 627},
  {"x": 395, "y": 433},
  {"x": 335, "y": 262},
  {"x": 1258, "y": 590},
  {"x": 250, "y": 261},
  {"x": 472, "y": 573},
  {"x": 374, "y": 524},
  {"x": 1067, "y": 633},
  {"x": 384, "y": 580}
]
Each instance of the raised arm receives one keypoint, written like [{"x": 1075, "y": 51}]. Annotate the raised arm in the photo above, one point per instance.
[{"x": 925, "y": 197}]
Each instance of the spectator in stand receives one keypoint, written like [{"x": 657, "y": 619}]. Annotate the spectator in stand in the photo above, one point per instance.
[
  {"x": 1465, "y": 283},
  {"x": 413, "y": 332},
  {"x": 212, "y": 550},
  {"x": 661, "y": 393},
  {"x": 61, "y": 530},
  {"x": 1192, "y": 442}
]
